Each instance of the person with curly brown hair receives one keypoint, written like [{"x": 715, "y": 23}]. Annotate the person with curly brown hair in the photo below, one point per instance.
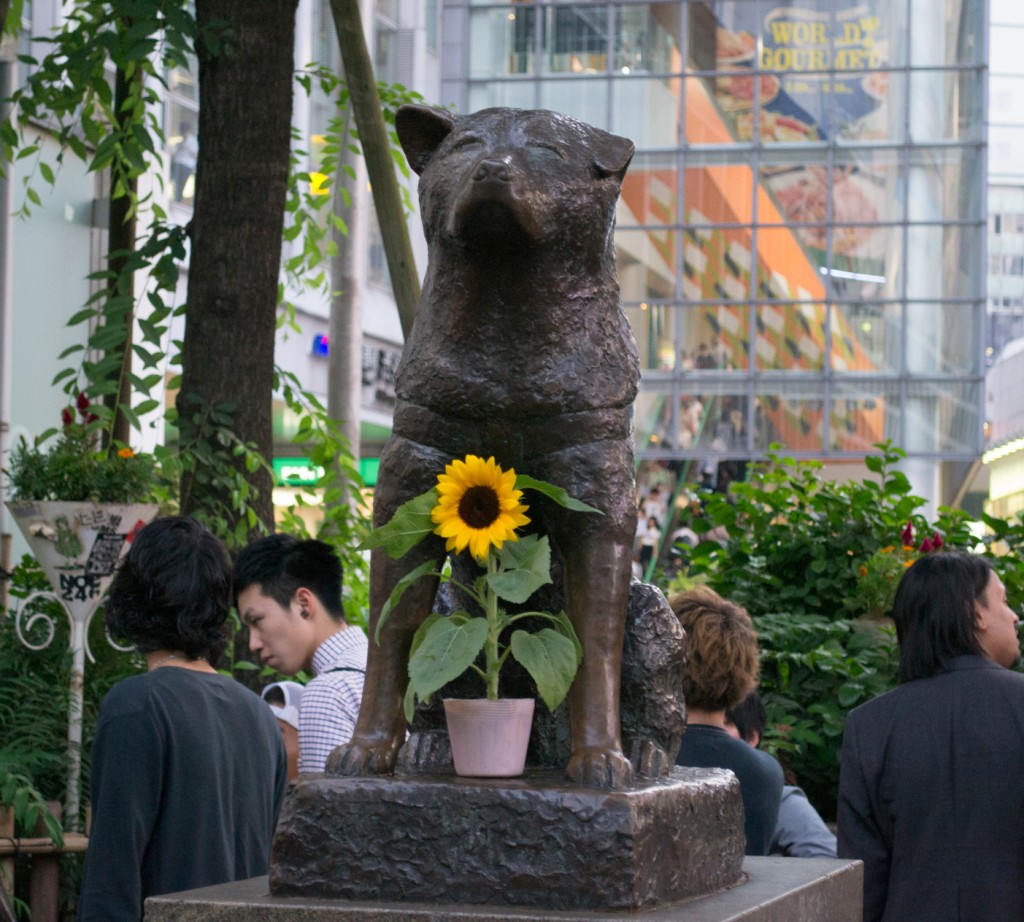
[
  {"x": 188, "y": 767},
  {"x": 723, "y": 668}
]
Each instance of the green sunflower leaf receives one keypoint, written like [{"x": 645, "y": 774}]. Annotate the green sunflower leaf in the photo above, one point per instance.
[
  {"x": 396, "y": 594},
  {"x": 550, "y": 658},
  {"x": 446, "y": 649},
  {"x": 560, "y": 496},
  {"x": 408, "y": 526},
  {"x": 525, "y": 567}
]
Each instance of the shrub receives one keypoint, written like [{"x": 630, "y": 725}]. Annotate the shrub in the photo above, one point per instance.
[{"x": 816, "y": 563}]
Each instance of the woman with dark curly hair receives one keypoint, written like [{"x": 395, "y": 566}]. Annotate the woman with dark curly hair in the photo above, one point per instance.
[{"x": 188, "y": 767}]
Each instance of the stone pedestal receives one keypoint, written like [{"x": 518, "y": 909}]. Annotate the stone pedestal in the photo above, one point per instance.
[
  {"x": 773, "y": 890},
  {"x": 535, "y": 841}
]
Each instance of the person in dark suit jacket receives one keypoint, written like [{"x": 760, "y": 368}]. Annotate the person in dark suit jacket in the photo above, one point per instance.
[{"x": 931, "y": 789}]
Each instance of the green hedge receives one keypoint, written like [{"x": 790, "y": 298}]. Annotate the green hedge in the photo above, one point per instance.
[{"x": 816, "y": 564}]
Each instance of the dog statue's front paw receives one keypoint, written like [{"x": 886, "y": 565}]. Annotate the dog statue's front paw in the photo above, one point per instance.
[
  {"x": 597, "y": 767},
  {"x": 358, "y": 757}
]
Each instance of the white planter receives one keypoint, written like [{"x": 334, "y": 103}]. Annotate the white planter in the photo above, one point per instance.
[
  {"x": 489, "y": 738},
  {"x": 78, "y": 545}
]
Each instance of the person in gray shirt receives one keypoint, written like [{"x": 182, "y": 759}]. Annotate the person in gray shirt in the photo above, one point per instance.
[{"x": 800, "y": 832}]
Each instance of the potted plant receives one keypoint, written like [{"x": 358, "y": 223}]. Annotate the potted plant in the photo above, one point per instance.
[
  {"x": 79, "y": 509},
  {"x": 476, "y": 507},
  {"x": 78, "y": 506}
]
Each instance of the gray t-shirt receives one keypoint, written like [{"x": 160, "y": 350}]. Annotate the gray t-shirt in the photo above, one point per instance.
[{"x": 188, "y": 774}]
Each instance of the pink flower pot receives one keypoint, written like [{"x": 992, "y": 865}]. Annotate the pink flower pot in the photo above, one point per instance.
[{"x": 489, "y": 738}]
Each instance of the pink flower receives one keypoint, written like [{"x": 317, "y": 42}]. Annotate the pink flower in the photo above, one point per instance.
[
  {"x": 937, "y": 542},
  {"x": 926, "y": 546},
  {"x": 82, "y": 402},
  {"x": 907, "y": 535},
  {"x": 67, "y": 417}
]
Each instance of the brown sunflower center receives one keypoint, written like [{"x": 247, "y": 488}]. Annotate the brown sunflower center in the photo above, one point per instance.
[{"x": 479, "y": 507}]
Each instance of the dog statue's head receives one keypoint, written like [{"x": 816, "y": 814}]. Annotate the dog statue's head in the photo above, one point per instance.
[{"x": 513, "y": 178}]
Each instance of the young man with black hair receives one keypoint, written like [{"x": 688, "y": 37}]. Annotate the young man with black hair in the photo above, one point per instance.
[
  {"x": 288, "y": 594},
  {"x": 931, "y": 792}
]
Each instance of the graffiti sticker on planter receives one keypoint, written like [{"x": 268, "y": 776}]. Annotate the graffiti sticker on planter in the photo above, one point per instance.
[{"x": 78, "y": 545}]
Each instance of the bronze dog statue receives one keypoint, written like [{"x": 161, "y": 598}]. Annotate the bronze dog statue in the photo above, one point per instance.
[{"x": 520, "y": 350}]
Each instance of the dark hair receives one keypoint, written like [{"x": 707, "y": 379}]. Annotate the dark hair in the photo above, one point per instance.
[
  {"x": 273, "y": 694},
  {"x": 172, "y": 591},
  {"x": 281, "y": 565},
  {"x": 723, "y": 659},
  {"x": 749, "y": 716},
  {"x": 935, "y": 611}
]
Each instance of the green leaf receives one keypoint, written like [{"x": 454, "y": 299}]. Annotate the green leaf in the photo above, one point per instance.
[
  {"x": 447, "y": 649},
  {"x": 525, "y": 567},
  {"x": 526, "y": 482},
  {"x": 409, "y": 525},
  {"x": 550, "y": 658},
  {"x": 396, "y": 594}
]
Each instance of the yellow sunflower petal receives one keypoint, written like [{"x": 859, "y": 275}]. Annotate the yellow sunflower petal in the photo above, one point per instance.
[{"x": 478, "y": 506}]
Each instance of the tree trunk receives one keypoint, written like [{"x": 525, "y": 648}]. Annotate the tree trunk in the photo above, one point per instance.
[
  {"x": 245, "y": 108},
  {"x": 344, "y": 369},
  {"x": 120, "y": 242},
  {"x": 373, "y": 137}
]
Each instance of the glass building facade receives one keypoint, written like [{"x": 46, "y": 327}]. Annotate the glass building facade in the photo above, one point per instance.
[{"x": 800, "y": 236}]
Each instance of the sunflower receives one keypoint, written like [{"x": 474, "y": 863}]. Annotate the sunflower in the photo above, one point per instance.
[{"x": 478, "y": 507}]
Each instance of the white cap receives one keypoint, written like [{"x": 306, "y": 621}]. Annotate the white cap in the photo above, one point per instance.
[{"x": 292, "y": 692}]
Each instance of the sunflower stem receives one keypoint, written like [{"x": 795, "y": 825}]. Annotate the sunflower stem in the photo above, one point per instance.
[{"x": 493, "y": 629}]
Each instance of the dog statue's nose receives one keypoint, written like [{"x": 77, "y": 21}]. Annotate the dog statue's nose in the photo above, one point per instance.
[{"x": 491, "y": 169}]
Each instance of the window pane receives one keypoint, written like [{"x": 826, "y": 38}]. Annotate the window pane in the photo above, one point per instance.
[
  {"x": 520, "y": 94},
  {"x": 654, "y": 330},
  {"x": 790, "y": 337},
  {"x": 942, "y": 184},
  {"x": 791, "y": 415},
  {"x": 719, "y": 193},
  {"x": 862, "y": 414},
  {"x": 646, "y": 111},
  {"x": 948, "y": 105},
  {"x": 501, "y": 42},
  {"x": 585, "y": 99},
  {"x": 715, "y": 337},
  {"x": 866, "y": 337},
  {"x": 576, "y": 39},
  {"x": 646, "y": 261},
  {"x": 716, "y": 263},
  {"x": 789, "y": 266},
  {"x": 942, "y": 339},
  {"x": 944, "y": 262},
  {"x": 865, "y": 261},
  {"x": 647, "y": 38},
  {"x": 947, "y": 33},
  {"x": 183, "y": 141},
  {"x": 942, "y": 416},
  {"x": 649, "y": 191}
]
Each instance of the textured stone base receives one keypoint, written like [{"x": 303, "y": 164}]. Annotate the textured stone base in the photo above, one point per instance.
[
  {"x": 534, "y": 841},
  {"x": 774, "y": 890}
]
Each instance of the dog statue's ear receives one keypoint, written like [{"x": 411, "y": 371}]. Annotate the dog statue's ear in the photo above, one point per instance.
[
  {"x": 421, "y": 129},
  {"x": 612, "y": 155}
]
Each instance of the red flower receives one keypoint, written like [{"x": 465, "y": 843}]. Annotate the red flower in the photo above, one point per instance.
[
  {"x": 926, "y": 546},
  {"x": 67, "y": 417},
  {"x": 82, "y": 402},
  {"x": 937, "y": 541},
  {"x": 907, "y": 535}
]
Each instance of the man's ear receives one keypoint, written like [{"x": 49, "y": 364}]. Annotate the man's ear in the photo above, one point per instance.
[{"x": 304, "y": 598}]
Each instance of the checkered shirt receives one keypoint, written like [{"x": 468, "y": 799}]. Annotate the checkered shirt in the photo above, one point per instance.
[{"x": 330, "y": 702}]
